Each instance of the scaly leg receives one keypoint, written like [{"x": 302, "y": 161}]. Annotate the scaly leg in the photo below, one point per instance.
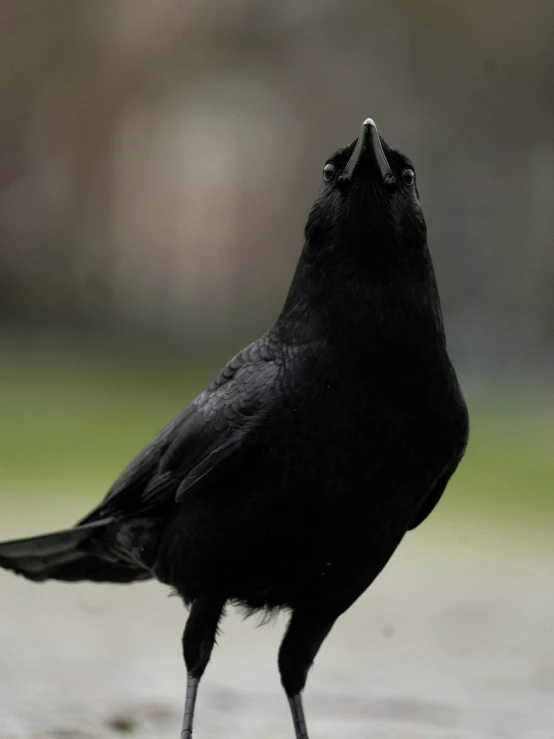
[{"x": 198, "y": 641}]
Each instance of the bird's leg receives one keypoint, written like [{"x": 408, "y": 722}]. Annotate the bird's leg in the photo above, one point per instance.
[
  {"x": 298, "y": 718},
  {"x": 305, "y": 634},
  {"x": 198, "y": 641}
]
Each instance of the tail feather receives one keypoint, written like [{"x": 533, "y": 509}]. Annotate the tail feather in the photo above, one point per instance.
[
  {"x": 93, "y": 569},
  {"x": 63, "y": 556},
  {"x": 40, "y": 564},
  {"x": 46, "y": 544}
]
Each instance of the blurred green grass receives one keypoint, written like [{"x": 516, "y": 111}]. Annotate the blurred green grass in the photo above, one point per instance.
[{"x": 70, "y": 420}]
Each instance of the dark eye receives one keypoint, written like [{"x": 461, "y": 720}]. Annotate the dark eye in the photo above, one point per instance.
[
  {"x": 328, "y": 172},
  {"x": 408, "y": 176}
]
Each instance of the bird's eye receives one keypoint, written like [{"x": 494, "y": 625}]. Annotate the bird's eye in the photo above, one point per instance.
[
  {"x": 408, "y": 176},
  {"x": 328, "y": 172}
]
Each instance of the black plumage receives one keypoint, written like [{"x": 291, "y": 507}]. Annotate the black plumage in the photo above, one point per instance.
[{"x": 290, "y": 481}]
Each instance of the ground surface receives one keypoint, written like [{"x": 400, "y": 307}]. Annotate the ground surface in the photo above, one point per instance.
[{"x": 455, "y": 639}]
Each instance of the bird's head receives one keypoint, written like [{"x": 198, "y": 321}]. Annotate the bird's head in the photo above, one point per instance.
[
  {"x": 365, "y": 259},
  {"x": 368, "y": 204}
]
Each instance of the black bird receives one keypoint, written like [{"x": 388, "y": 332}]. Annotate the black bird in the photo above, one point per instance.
[{"x": 290, "y": 481}]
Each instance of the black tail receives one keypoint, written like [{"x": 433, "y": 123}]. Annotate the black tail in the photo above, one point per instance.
[{"x": 64, "y": 556}]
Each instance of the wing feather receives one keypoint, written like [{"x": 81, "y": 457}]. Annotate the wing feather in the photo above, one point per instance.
[{"x": 205, "y": 439}]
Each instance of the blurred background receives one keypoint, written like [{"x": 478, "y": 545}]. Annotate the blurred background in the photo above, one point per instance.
[{"x": 157, "y": 164}]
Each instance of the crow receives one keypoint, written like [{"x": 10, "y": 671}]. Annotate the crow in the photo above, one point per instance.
[{"x": 290, "y": 481}]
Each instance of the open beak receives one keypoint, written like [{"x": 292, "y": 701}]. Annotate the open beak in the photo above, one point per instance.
[{"x": 368, "y": 147}]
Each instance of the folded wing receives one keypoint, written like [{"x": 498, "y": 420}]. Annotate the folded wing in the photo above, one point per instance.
[{"x": 207, "y": 438}]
